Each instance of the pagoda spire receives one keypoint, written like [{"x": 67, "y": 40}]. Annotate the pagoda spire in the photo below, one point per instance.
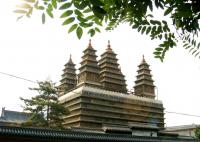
[
  {"x": 109, "y": 49},
  {"x": 89, "y": 70},
  {"x": 90, "y": 44},
  {"x": 144, "y": 86},
  {"x": 143, "y": 59},
  {"x": 111, "y": 76},
  {"x": 69, "y": 76},
  {"x": 70, "y": 59}
]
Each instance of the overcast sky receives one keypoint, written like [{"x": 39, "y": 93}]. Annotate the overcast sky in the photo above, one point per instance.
[{"x": 38, "y": 52}]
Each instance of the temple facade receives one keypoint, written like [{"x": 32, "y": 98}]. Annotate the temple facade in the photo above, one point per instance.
[{"x": 99, "y": 98}]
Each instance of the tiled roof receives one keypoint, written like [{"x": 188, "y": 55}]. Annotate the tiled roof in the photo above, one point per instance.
[
  {"x": 181, "y": 127},
  {"x": 14, "y": 116},
  {"x": 69, "y": 135}
]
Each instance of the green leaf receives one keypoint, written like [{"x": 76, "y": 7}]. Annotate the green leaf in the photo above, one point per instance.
[
  {"x": 197, "y": 54},
  {"x": 40, "y": 7},
  {"x": 194, "y": 51},
  {"x": 20, "y": 11},
  {"x": 85, "y": 25},
  {"x": 81, "y": 19},
  {"x": 164, "y": 22},
  {"x": 54, "y": 3},
  {"x": 50, "y": 7},
  {"x": 18, "y": 18},
  {"x": 168, "y": 11},
  {"x": 31, "y": 1},
  {"x": 143, "y": 29},
  {"x": 188, "y": 47},
  {"x": 156, "y": 3},
  {"x": 135, "y": 26},
  {"x": 88, "y": 10},
  {"x": 96, "y": 3},
  {"x": 166, "y": 36},
  {"x": 97, "y": 29},
  {"x": 156, "y": 53},
  {"x": 191, "y": 49},
  {"x": 150, "y": 5},
  {"x": 163, "y": 44},
  {"x": 185, "y": 45},
  {"x": 65, "y": 6},
  {"x": 158, "y": 57},
  {"x": 43, "y": 18},
  {"x": 72, "y": 28},
  {"x": 79, "y": 32},
  {"x": 49, "y": 12},
  {"x": 24, "y": 5},
  {"x": 153, "y": 30},
  {"x": 154, "y": 22},
  {"x": 198, "y": 45},
  {"x": 159, "y": 49},
  {"x": 139, "y": 28},
  {"x": 77, "y": 12},
  {"x": 68, "y": 21},
  {"x": 99, "y": 12},
  {"x": 148, "y": 30},
  {"x": 90, "y": 17},
  {"x": 159, "y": 30},
  {"x": 98, "y": 21},
  {"x": 36, "y": 4},
  {"x": 66, "y": 13},
  {"x": 91, "y": 32},
  {"x": 83, "y": 5}
]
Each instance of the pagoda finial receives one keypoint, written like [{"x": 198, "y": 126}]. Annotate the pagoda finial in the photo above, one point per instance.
[
  {"x": 108, "y": 43},
  {"x": 109, "y": 47},
  {"x": 70, "y": 59},
  {"x": 90, "y": 45},
  {"x": 143, "y": 59}
]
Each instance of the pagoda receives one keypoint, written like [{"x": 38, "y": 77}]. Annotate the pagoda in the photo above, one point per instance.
[
  {"x": 111, "y": 76},
  {"x": 89, "y": 70},
  {"x": 144, "y": 86},
  {"x": 69, "y": 79}
]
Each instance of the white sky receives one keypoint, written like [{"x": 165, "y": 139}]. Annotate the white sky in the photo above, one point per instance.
[{"x": 34, "y": 51}]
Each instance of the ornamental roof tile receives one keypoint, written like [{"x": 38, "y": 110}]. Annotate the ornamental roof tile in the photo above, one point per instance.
[{"x": 80, "y": 136}]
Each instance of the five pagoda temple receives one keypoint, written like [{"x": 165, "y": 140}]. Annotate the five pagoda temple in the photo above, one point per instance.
[{"x": 97, "y": 96}]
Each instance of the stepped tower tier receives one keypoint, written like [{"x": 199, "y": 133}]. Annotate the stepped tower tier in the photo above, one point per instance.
[
  {"x": 111, "y": 76},
  {"x": 89, "y": 70},
  {"x": 69, "y": 77},
  {"x": 144, "y": 86}
]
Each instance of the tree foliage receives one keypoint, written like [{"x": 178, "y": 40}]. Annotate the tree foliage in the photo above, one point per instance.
[
  {"x": 45, "y": 109},
  {"x": 197, "y": 132},
  {"x": 89, "y": 15}
]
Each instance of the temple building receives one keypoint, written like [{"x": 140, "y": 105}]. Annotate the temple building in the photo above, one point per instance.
[
  {"x": 101, "y": 109},
  {"x": 100, "y": 100}
]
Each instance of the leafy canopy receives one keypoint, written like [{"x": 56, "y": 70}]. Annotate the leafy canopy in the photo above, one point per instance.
[
  {"x": 45, "y": 109},
  {"x": 89, "y": 15}
]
